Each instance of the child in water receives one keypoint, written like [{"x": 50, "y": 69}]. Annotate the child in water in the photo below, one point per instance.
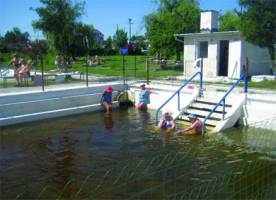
[
  {"x": 166, "y": 122},
  {"x": 106, "y": 98}
]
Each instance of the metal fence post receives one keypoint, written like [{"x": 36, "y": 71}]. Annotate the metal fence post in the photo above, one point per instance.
[
  {"x": 42, "y": 72},
  {"x": 135, "y": 66},
  {"x": 86, "y": 75},
  {"x": 124, "y": 73},
  {"x": 147, "y": 66}
]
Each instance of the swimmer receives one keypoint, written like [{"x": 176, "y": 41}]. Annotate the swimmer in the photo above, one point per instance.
[
  {"x": 144, "y": 97},
  {"x": 166, "y": 122},
  {"x": 195, "y": 127},
  {"x": 106, "y": 99}
]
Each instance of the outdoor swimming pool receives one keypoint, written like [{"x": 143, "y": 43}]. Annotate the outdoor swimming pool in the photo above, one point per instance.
[{"x": 120, "y": 156}]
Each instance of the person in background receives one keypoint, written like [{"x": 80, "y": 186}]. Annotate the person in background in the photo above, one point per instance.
[
  {"x": 166, "y": 122},
  {"x": 144, "y": 97},
  {"x": 58, "y": 62},
  {"x": 195, "y": 127},
  {"x": 15, "y": 62},
  {"x": 106, "y": 99},
  {"x": 24, "y": 71}
]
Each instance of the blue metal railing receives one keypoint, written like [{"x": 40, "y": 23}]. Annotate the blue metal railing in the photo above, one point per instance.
[
  {"x": 178, "y": 94},
  {"x": 222, "y": 101}
]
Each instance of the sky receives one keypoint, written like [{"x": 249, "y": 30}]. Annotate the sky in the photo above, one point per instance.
[{"x": 104, "y": 15}]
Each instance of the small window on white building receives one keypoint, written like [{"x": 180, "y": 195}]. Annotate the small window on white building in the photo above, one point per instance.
[{"x": 202, "y": 49}]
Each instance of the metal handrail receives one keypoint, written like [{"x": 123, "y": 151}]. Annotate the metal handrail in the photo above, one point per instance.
[
  {"x": 222, "y": 101},
  {"x": 178, "y": 93}
]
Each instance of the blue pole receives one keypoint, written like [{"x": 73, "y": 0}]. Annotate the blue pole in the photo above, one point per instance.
[
  {"x": 223, "y": 111},
  {"x": 178, "y": 100},
  {"x": 201, "y": 71}
]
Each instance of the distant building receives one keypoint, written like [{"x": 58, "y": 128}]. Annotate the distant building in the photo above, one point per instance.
[{"x": 223, "y": 53}]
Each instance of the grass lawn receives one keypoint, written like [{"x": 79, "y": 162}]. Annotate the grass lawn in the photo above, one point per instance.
[
  {"x": 266, "y": 84},
  {"x": 113, "y": 66}
]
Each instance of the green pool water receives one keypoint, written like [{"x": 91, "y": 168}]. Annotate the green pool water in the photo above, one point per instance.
[{"x": 121, "y": 156}]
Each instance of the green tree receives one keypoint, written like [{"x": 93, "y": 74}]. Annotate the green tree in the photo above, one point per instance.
[
  {"x": 83, "y": 39},
  {"x": 57, "y": 20},
  {"x": 229, "y": 21},
  {"x": 258, "y": 23},
  {"x": 138, "y": 43},
  {"x": 16, "y": 41},
  {"x": 108, "y": 47},
  {"x": 1, "y": 43},
  {"x": 120, "y": 39},
  {"x": 172, "y": 17}
]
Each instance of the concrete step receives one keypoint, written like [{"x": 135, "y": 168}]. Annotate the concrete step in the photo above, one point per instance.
[
  {"x": 209, "y": 122},
  {"x": 208, "y": 107},
  {"x": 188, "y": 123},
  {"x": 203, "y": 114},
  {"x": 210, "y": 102}
]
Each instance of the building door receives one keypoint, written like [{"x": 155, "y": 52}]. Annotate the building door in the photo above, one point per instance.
[{"x": 223, "y": 58}]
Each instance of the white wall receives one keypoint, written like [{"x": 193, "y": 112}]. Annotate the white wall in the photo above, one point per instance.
[
  {"x": 210, "y": 63},
  {"x": 189, "y": 57},
  {"x": 259, "y": 59},
  {"x": 234, "y": 59},
  {"x": 259, "y": 111}
]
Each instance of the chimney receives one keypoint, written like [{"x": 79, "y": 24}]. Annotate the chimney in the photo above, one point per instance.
[{"x": 209, "y": 21}]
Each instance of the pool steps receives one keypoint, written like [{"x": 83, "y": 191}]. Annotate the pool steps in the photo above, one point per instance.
[
  {"x": 201, "y": 108},
  {"x": 203, "y": 105}
]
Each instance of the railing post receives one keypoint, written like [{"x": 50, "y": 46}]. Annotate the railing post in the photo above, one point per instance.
[
  {"x": 203, "y": 128},
  {"x": 201, "y": 77},
  {"x": 223, "y": 109},
  {"x": 178, "y": 100},
  {"x": 245, "y": 73}
]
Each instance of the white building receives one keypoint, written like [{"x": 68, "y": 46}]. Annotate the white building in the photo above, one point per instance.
[{"x": 223, "y": 53}]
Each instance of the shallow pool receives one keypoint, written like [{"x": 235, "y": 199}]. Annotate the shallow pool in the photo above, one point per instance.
[{"x": 120, "y": 156}]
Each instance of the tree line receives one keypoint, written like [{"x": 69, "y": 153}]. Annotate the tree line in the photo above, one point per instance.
[{"x": 59, "y": 21}]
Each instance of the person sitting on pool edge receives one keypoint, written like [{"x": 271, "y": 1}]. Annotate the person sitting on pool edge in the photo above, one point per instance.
[
  {"x": 106, "y": 99},
  {"x": 166, "y": 122},
  {"x": 194, "y": 129},
  {"x": 144, "y": 97}
]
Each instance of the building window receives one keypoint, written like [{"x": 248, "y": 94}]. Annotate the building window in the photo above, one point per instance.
[{"x": 203, "y": 49}]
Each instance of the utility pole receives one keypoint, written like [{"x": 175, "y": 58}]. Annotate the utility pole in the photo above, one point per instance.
[{"x": 129, "y": 22}]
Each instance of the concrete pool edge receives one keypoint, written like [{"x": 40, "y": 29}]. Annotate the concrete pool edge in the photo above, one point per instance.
[
  {"x": 77, "y": 100},
  {"x": 33, "y": 106}
]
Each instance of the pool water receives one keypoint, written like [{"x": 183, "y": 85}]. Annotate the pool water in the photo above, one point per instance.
[{"x": 121, "y": 156}]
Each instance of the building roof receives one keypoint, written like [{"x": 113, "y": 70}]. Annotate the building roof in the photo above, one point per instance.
[{"x": 209, "y": 34}]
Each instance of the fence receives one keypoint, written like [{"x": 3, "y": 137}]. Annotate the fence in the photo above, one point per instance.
[{"x": 46, "y": 76}]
